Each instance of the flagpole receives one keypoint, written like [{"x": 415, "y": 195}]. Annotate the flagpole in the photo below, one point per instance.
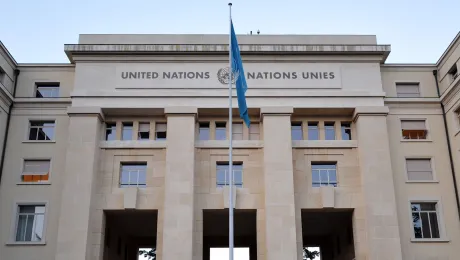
[{"x": 230, "y": 138}]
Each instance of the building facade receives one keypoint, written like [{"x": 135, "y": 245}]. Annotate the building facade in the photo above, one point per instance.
[{"x": 126, "y": 147}]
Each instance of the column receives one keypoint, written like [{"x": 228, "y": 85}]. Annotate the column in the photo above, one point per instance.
[
  {"x": 280, "y": 219},
  {"x": 178, "y": 209},
  {"x": 380, "y": 216},
  {"x": 78, "y": 219}
]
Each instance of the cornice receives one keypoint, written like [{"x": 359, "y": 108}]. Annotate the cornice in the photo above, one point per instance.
[{"x": 247, "y": 49}]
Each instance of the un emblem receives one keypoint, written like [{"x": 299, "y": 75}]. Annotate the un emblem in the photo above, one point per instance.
[{"x": 223, "y": 75}]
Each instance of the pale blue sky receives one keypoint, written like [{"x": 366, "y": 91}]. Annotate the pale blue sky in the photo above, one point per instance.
[{"x": 418, "y": 31}]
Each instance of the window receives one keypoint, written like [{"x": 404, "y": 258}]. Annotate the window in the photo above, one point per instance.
[
  {"x": 419, "y": 170},
  {"x": 160, "y": 131},
  {"x": 324, "y": 174},
  {"x": 110, "y": 131},
  {"x": 30, "y": 223},
  {"x": 425, "y": 220},
  {"x": 203, "y": 131},
  {"x": 221, "y": 131},
  {"x": 133, "y": 174},
  {"x": 237, "y": 131},
  {"x": 313, "y": 132},
  {"x": 296, "y": 131},
  {"x": 36, "y": 171},
  {"x": 254, "y": 131},
  {"x": 2, "y": 75},
  {"x": 144, "y": 131},
  {"x": 222, "y": 177},
  {"x": 127, "y": 131},
  {"x": 414, "y": 129},
  {"x": 408, "y": 89},
  {"x": 41, "y": 130},
  {"x": 453, "y": 72},
  {"x": 47, "y": 90},
  {"x": 346, "y": 131},
  {"x": 329, "y": 128}
]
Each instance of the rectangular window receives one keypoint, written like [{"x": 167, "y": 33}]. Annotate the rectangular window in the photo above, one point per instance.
[
  {"x": 329, "y": 128},
  {"x": 35, "y": 171},
  {"x": 127, "y": 131},
  {"x": 419, "y": 170},
  {"x": 324, "y": 174},
  {"x": 144, "y": 131},
  {"x": 160, "y": 131},
  {"x": 222, "y": 176},
  {"x": 346, "y": 131},
  {"x": 47, "y": 90},
  {"x": 237, "y": 130},
  {"x": 408, "y": 89},
  {"x": 313, "y": 131},
  {"x": 254, "y": 131},
  {"x": 133, "y": 174},
  {"x": 30, "y": 223},
  {"x": 414, "y": 129},
  {"x": 425, "y": 220},
  {"x": 296, "y": 131},
  {"x": 221, "y": 131},
  {"x": 110, "y": 131},
  {"x": 41, "y": 130},
  {"x": 453, "y": 72},
  {"x": 203, "y": 131}
]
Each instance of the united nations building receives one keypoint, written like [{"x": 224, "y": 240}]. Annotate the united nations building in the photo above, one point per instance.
[{"x": 126, "y": 148}]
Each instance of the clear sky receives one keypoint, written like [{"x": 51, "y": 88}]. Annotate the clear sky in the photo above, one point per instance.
[{"x": 418, "y": 30}]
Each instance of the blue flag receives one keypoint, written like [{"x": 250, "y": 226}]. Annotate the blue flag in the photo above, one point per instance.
[{"x": 240, "y": 79}]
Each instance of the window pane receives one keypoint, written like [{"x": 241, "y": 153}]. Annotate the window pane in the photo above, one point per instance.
[
  {"x": 254, "y": 131},
  {"x": 425, "y": 225},
  {"x": 221, "y": 133},
  {"x": 313, "y": 132},
  {"x": 332, "y": 176},
  {"x": 46, "y": 133},
  {"x": 161, "y": 136},
  {"x": 21, "y": 228},
  {"x": 324, "y": 177},
  {"x": 38, "y": 228},
  {"x": 160, "y": 127},
  {"x": 434, "y": 225},
  {"x": 144, "y": 136},
  {"x": 415, "y": 207},
  {"x": 315, "y": 176},
  {"x": 33, "y": 133},
  {"x": 428, "y": 206},
  {"x": 346, "y": 131},
  {"x": 330, "y": 130},
  {"x": 144, "y": 127},
  {"x": 296, "y": 131},
  {"x": 127, "y": 131},
  {"x": 142, "y": 179},
  {"x": 110, "y": 132},
  {"x": 417, "y": 225},
  {"x": 203, "y": 132},
  {"x": 26, "y": 209}
]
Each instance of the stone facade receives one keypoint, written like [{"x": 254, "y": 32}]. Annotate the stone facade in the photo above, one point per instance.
[{"x": 303, "y": 92}]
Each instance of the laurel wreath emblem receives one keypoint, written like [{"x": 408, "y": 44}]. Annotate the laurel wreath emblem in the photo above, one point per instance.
[{"x": 223, "y": 75}]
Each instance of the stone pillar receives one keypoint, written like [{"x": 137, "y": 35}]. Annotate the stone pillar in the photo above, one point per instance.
[
  {"x": 381, "y": 220},
  {"x": 178, "y": 210},
  {"x": 78, "y": 218},
  {"x": 280, "y": 217}
]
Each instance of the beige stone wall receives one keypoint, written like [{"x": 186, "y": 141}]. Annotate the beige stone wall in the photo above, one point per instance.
[
  {"x": 392, "y": 74},
  {"x": 29, "y": 76},
  {"x": 452, "y": 56}
]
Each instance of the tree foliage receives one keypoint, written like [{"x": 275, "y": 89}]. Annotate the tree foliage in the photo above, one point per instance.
[
  {"x": 150, "y": 254},
  {"x": 309, "y": 255}
]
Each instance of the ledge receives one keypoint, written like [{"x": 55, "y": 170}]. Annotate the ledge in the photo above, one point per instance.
[
  {"x": 324, "y": 144},
  {"x": 224, "y": 144},
  {"x": 434, "y": 240},
  {"x": 416, "y": 140},
  {"x": 433, "y": 100},
  {"x": 151, "y": 144},
  {"x": 33, "y": 183},
  {"x": 13, "y": 243},
  {"x": 39, "y": 142},
  {"x": 60, "y": 100}
]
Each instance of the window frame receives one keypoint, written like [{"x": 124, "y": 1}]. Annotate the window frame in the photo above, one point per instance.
[
  {"x": 427, "y": 129},
  {"x": 226, "y": 184},
  {"x": 335, "y": 163},
  {"x": 297, "y": 124},
  {"x": 52, "y": 85},
  {"x": 203, "y": 127},
  {"x": 106, "y": 128},
  {"x": 123, "y": 130},
  {"x": 408, "y": 83},
  {"x": 316, "y": 125},
  {"x": 157, "y": 131},
  {"x": 220, "y": 128},
  {"x": 433, "y": 169},
  {"x": 139, "y": 130},
  {"x": 344, "y": 128},
  {"x": 440, "y": 216},
  {"x": 43, "y": 120},
  {"x": 132, "y": 163},
  {"x": 23, "y": 161},
  {"x": 15, "y": 222}
]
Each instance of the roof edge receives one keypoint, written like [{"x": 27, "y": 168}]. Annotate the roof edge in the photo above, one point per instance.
[{"x": 452, "y": 43}]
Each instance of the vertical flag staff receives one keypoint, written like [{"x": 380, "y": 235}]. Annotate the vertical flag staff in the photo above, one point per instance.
[{"x": 236, "y": 72}]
